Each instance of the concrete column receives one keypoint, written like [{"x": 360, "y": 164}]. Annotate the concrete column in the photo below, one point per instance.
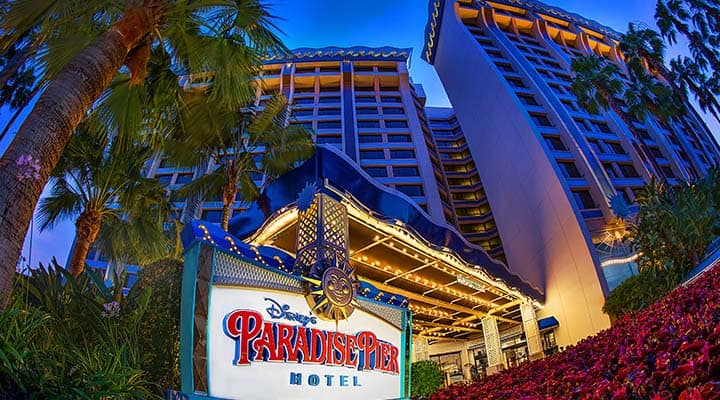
[
  {"x": 421, "y": 351},
  {"x": 465, "y": 359},
  {"x": 492, "y": 345},
  {"x": 532, "y": 332}
]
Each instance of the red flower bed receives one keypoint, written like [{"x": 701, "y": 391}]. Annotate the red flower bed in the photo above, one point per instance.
[{"x": 669, "y": 351}]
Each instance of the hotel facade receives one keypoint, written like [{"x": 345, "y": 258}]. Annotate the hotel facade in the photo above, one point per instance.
[
  {"x": 549, "y": 168},
  {"x": 493, "y": 219}
]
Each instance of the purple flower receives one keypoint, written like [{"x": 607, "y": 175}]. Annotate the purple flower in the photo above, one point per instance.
[
  {"x": 110, "y": 310},
  {"x": 29, "y": 168}
]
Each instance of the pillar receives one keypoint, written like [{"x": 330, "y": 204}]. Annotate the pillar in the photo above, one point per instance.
[
  {"x": 492, "y": 345},
  {"x": 532, "y": 332}
]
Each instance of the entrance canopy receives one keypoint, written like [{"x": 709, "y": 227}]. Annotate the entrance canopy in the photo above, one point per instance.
[{"x": 395, "y": 248}]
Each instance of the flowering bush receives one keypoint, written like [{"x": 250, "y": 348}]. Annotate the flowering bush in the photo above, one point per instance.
[{"x": 671, "y": 350}]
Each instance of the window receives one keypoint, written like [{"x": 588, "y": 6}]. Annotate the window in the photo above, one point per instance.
[
  {"x": 555, "y": 143},
  {"x": 164, "y": 179},
  {"x": 304, "y": 70},
  {"x": 393, "y": 111},
  {"x": 628, "y": 171},
  {"x": 402, "y": 154},
  {"x": 329, "y": 139},
  {"x": 389, "y": 88},
  {"x": 541, "y": 120},
  {"x": 399, "y": 138},
  {"x": 528, "y": 100},
  {"x": 376, "y": 172},
  {"x": 410, "y": 190},
  {"x": 615, "y": 147},
  {"x": 387, "y": 69},
  {"x": 656, "y": 152},
  {"x": 303, "y": 100},
  {"x": 329, "y": 125},
  {"x": 668, "y": 172},
  {"x": 583, "y": 199},
  {"x": 306, "y": 89},
  {"x": 505, "y": 67},
  {"x": 184, "y": 178},
  {"x": 602, "y": 127},
  {"x": 372, "y": 154},
  {"x": 329, "y": 99},
  {"x": 364, "y": 88},
  {"x": 303, "y": 112},
  {"x": 396, "y": 124},
  {"x": 371, "y": 138},
  {"x": 405, "y": 171},
  {"x": 329, "y": 111},
  {"x": 365, "y": 99},
  {"x": 571, "y": 105},
  {"x": 518, "y": 83},
  {"x": 595, "y": 146},
  {"x": 330, "y": 68},
  {"x": 367, "y": 111},
  {"x": 363, "y": 68},
  {"x": 569, "y": 169},
  {"x": 212, "y": 215},
  {"x": 390, "y": 99},
  {"x": 610, "y": 170},
  {"x": 368, "y": 124}
]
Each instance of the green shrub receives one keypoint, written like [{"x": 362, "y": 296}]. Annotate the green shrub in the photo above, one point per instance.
[
  {"x": 160, "y": 329},
  {"x": 427, "y": 378},
  {"x": 67, "y": 338},
  {"x": 640, "y": 291}
]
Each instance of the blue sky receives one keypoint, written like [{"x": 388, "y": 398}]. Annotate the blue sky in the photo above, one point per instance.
[{"x": 373, "y": 23}]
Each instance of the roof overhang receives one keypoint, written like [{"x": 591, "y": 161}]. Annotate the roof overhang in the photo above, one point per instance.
[{"x": 395, "y": 247}]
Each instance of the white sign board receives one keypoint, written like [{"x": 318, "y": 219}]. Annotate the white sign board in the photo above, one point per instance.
[{"x": 267, "y": 345}]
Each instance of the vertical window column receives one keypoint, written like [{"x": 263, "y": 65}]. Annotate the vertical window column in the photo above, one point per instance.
[{"x": 350, "y": 138}]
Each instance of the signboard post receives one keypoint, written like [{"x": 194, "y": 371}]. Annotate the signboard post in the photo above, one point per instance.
[{"x": 257, "y": 324}]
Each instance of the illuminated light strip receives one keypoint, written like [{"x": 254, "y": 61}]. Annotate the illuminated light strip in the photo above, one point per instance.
[
  {"x": 427, "y": 283},
  {"x": 370, "y": 221},
  {"x": 616, "y": 261}
]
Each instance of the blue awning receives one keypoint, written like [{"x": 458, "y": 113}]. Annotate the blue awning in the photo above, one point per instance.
[{"x": 547, "y": 323}]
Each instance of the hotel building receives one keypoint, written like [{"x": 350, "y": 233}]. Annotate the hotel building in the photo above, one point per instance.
[
  {"x": 493, "y": 218},
  {"x": 549, "y": 169}
]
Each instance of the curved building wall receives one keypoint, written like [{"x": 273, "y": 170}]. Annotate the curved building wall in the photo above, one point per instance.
[
  {"x": 549, "y": 168},
  {"x": 542, "y": 236}
]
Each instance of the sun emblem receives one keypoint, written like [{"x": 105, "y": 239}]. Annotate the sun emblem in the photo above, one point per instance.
[{"x": 333, "y": 296}]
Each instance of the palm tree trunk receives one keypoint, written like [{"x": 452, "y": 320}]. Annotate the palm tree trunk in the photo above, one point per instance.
[
  {"x": 45, "y": 132},
  {"x": 87, "y": 228},
  {"x": 228, "y": 197}
]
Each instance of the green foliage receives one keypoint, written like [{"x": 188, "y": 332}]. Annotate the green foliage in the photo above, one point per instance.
[
  {"x": 97, "y": 176},
  {"x": 427, "y": 378},
  {"x": 640, "y": 291},
  {"x": 677, "y": 224},
  {"x": 66, "y": 338},
  {"x": 160, "y": 329}
]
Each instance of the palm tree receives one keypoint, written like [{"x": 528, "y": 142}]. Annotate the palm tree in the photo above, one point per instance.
[
  {"x": 643, "y": 47},
  {"x": 198, "y": 36},
  {"x": 233, "y": 139},
  {"x": 687, "y": 73},
  {"x": 597, "y": 86},
  {"x": 105, "y": 192},
  {"x": 673, "y": 17}
]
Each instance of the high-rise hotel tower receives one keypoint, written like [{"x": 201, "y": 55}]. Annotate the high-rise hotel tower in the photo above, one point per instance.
[{"x": 548, "y": 167}]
